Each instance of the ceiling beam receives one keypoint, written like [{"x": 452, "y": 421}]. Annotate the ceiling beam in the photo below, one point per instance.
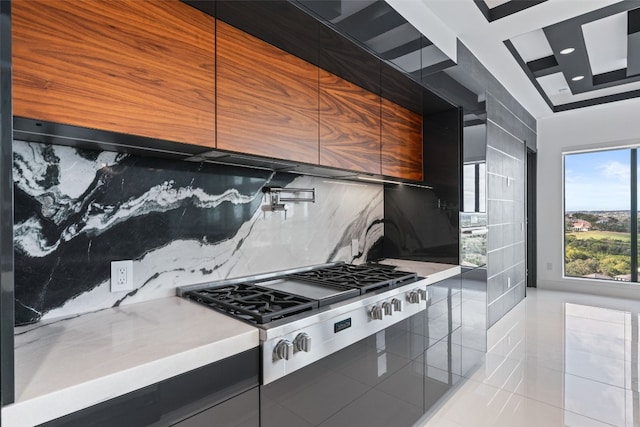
[
  {"x": 505, "y": 9},
  {"x": 561, "y": 36},
  {"x": 373, "y": 20},
  {"x": 544, "y": 66},
  {"x": 406, "y": 48},
  {"x": 633, "y": 42},
  {"x": 509, "y": 45},
  {"x": 449, "y": 88}
]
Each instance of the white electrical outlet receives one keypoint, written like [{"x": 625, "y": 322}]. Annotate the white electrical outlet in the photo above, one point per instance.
[
  {"x": 355, "y": 247},
  {"x": 121, "y": 276}
]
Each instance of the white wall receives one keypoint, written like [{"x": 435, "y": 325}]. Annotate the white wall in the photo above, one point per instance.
[{"x": 609, "y": 125}]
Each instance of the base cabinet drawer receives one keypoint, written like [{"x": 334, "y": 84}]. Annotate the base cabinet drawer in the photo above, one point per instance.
[
  {"x": 203, "y": 392},
  {"x": 239, "y": 411}
]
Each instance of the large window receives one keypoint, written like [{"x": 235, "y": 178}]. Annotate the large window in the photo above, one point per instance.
[
  {"x": 600, "y": 216},
  {"x": 474, "y": 185},
  {"x": 473, "y": 218}
]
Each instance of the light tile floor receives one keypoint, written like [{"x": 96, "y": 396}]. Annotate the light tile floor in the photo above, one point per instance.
[{"x": 557, "y": 359}]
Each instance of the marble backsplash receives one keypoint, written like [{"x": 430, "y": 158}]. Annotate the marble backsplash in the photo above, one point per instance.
[{"x": 180, "y": 222}]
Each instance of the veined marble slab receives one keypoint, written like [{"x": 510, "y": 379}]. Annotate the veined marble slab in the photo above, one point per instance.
[
  {"x": 180, "y": 222},
  {"x": 66, "y": 365}
]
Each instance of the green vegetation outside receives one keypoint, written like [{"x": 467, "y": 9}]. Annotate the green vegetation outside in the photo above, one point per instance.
[
  {"x": 599, "y": 235},
  {"x": 605, "y": 250},
  {"x": 597, "y": 252}
]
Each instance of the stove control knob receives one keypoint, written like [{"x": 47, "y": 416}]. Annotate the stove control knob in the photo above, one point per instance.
[
  {"x": 388, "y": 309},
  {"x": 376, "y": 313},
  {"x": 413, "y": 297},
  {"x": 397, "y": 304},
  {"x": 302, "y": 342},
  {"x": 424, "y": 295},
  {"x": 283, "y": 350}
]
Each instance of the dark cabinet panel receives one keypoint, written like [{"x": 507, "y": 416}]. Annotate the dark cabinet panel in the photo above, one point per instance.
[
  {"x": 177, "y": 398},
  {"x": 422, "y": 223},
  {"x": 349, "y": 125},
  {"x": 345, "y": 59},
  {"x": 400, "y": 89},
  {"x": 401, "y": 142},
  {"x": 137, "y": 67},
  {"x": 279, "y": 23},
  {"x": 442, "y": 139},
  {"x": 416, "y": 228},
  {"x": 239, "y": 411},
  {"x": 206, "y": 6},
  {"x": 267, "y": 99}
]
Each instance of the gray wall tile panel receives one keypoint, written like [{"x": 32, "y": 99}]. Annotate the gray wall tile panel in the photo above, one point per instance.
[
  {"x": 506, "y": 246},
  {"x": 509, "y": 300},
  {"x": 518, "y": 212},
  {"x": 495, "y": 287},
  {"x": 501, "y": 140},
  {"x": 520, "y": 291},
  {"x": 508, "y": 120},
  {"x": 470, "y": 64},
  {"x": 507, "y": 189},
  {"x": 501, "y": 212},
  {"x": 500, "y": 235},
  {"x": 495, "y": 312},
  {"x": 510, "y": 130}
]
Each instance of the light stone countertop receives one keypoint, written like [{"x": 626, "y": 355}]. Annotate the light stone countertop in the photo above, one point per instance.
[
  {"x": 66, "y": 365},
  {"x": 433, "y": 271}
]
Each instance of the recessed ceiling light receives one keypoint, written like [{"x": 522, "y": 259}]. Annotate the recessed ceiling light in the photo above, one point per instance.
[
  {"x": 577, "y": 78},
  {"x": 567, "y": 51}
]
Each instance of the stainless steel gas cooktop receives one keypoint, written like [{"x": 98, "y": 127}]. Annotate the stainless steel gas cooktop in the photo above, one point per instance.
[
  {"x": 264, "y": 300},
  {"x": 334, "y": 305}
]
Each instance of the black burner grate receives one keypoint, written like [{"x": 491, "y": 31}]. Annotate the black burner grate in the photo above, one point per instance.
[
  {"x": 366, "y": 278},
  {"x": 253, "y": 303},
  {"x": 260, "y": 305}
]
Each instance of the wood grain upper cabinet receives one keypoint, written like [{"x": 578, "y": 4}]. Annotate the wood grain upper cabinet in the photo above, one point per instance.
[
  {"x": 140, "y": 67},
  {"x": 267, "y": 99},
  {"x": 401, "y": 142},
  {"x": 349, "y": 125}
]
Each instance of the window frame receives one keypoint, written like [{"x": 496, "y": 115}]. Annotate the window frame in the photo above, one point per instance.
[{"x": 633, "y": 214}]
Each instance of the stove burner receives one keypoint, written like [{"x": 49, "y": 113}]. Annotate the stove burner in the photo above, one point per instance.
[
  {"x": 366, "y": 278},
  {"x": 262, "y": 304},
  {"x": 253, "y": 303}
]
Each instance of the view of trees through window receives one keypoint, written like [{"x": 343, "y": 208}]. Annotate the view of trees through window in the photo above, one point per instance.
[
  {"x": 473, "y": 218},
  {"x": 597, "y": 220}
]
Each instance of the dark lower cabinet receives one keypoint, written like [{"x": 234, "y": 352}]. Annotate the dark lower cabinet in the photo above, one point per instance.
[
  {"x": 239, "y": 411},
  {"x": 219, "y": 394},
  {"x": 389, "y": 379}
]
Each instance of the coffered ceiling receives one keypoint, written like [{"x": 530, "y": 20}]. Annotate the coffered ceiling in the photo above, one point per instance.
[
  {"x": 497, "y": 9},
  {"x": 552, "y": 55},
  {"x": 591, "y": 59},
  {"x": 521, "y": 42}
]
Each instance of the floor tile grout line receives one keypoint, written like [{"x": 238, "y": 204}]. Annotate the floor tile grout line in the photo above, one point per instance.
[
  {"x": 471, "y": 380},
  {"x": 467, "y": 381},
  {"x": 532, "y": 314},
  {"x": 539, "y": 365}
]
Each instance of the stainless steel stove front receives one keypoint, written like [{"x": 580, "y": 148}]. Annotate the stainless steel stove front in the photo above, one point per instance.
[{"x": 294, "y": 345}]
